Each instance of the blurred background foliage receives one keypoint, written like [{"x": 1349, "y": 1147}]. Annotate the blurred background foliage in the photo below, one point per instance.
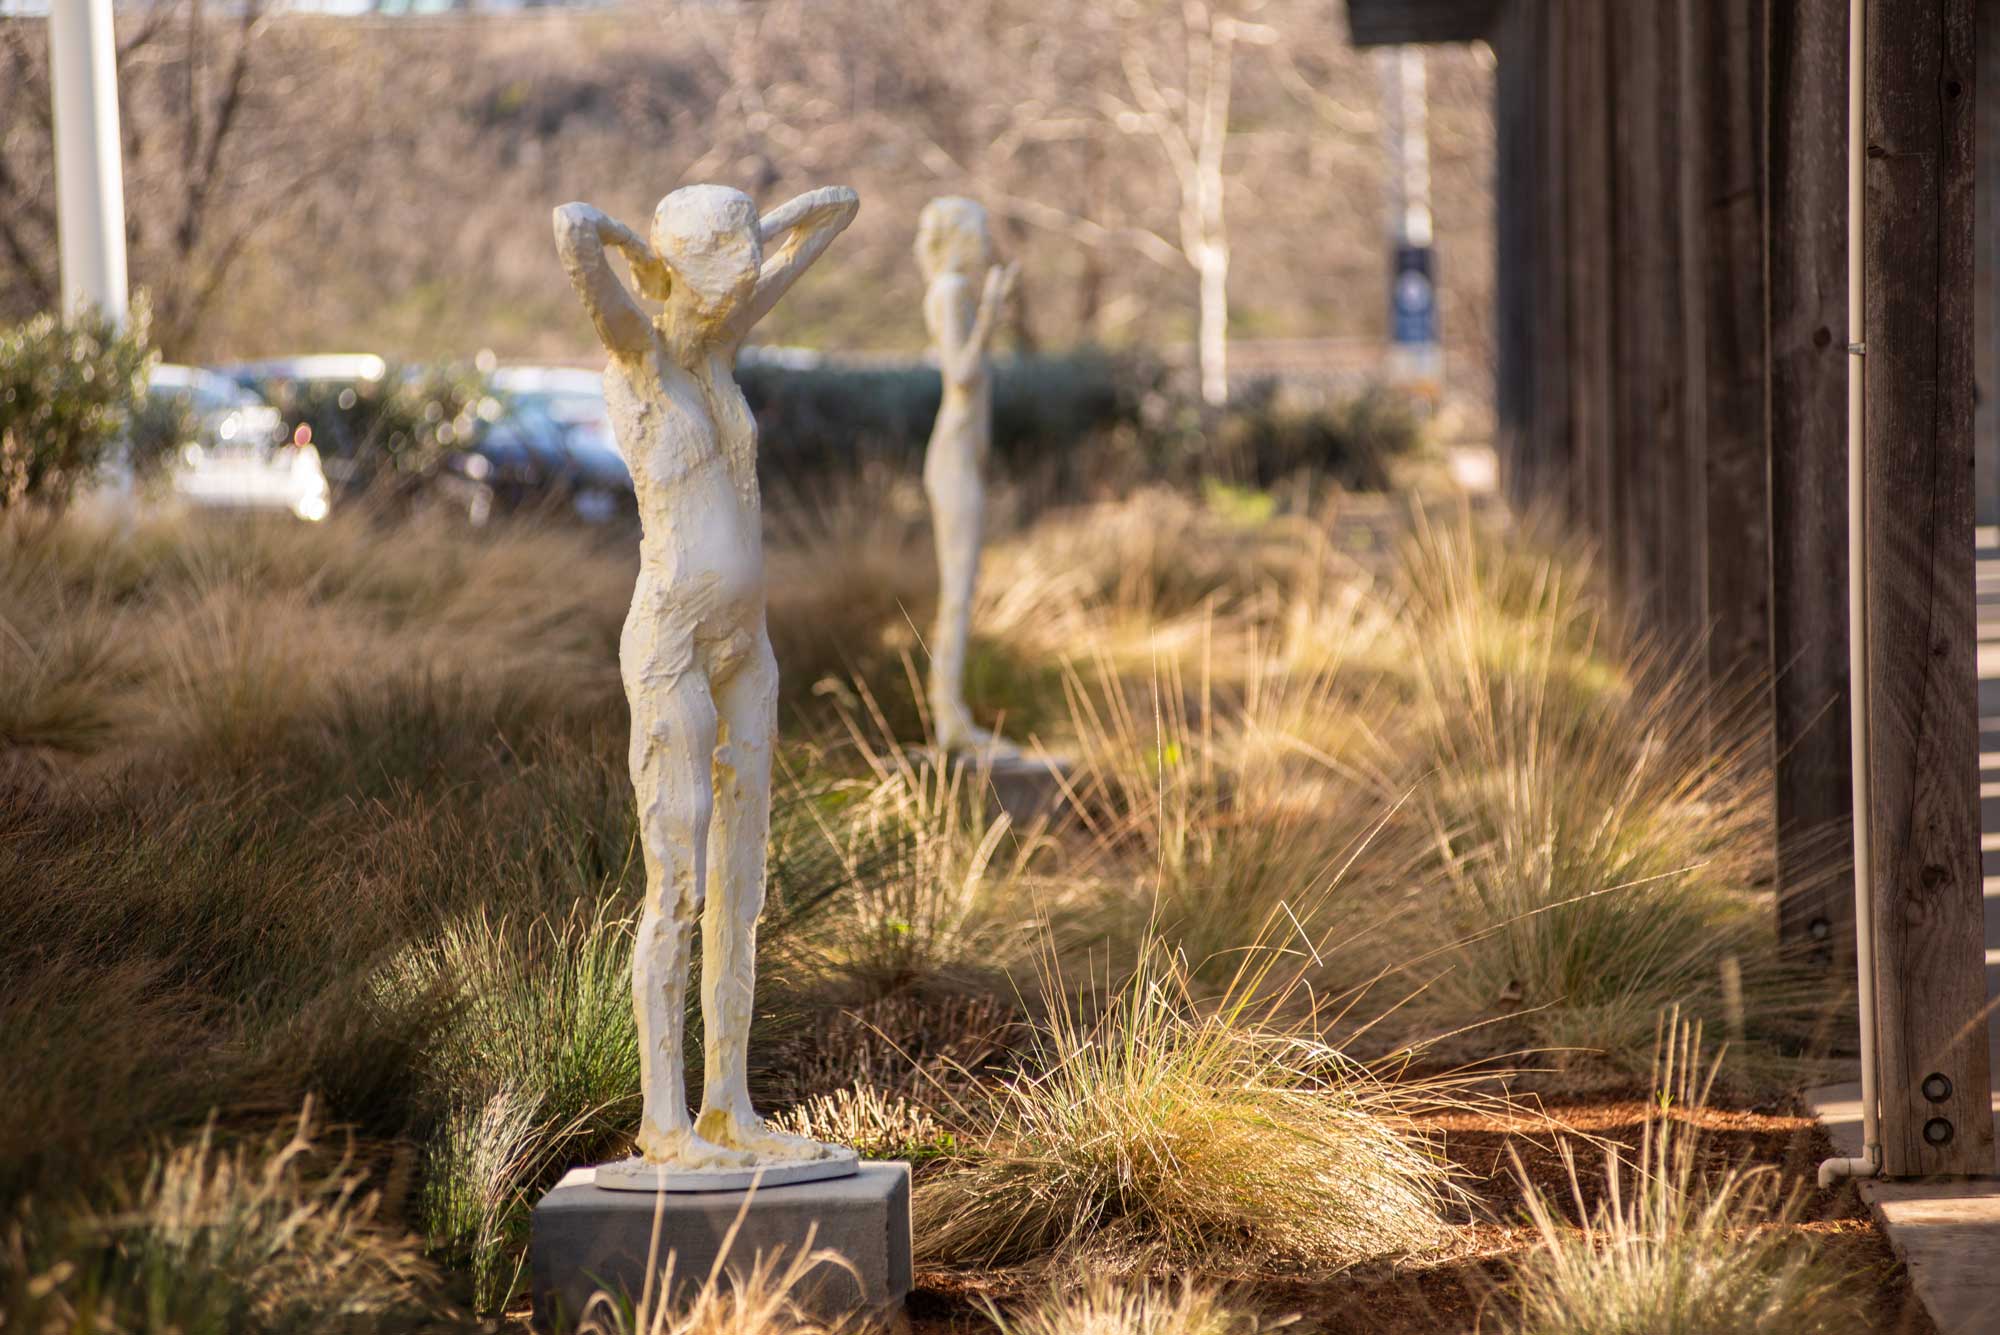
[
  {"x": 297, "y": 184},
  {"x": 66, "y": 391}
]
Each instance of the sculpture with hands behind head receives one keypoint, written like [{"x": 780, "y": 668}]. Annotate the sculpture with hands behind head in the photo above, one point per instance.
[
  {"x": 695, "y": 653},
  {"x": 952, "y": 246}
]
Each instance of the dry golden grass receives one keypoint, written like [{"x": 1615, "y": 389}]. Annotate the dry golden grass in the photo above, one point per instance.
[
  {"x": 221, "y": 1240},
  {"x": 1103, "y": 1307},
  {"x": 1676, "y": 1246},
  {"x": 1162, "y": 1131},
  {"x": 342, "y": 810}
]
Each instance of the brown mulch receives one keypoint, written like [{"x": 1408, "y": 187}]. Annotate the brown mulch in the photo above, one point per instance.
[{"x": 1451, "y": 1295}]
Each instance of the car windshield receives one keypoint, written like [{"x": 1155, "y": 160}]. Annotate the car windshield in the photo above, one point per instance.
[{"x": 204, "y": 391}]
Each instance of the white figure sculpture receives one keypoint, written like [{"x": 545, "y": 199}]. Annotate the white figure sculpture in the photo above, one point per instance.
[
  {"x": 695, "y": 654},
  {"x": 952, "y": 248}
]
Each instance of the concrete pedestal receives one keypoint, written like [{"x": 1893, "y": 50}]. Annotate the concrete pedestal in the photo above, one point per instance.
[
  {"x": 586, "y": 1239},
  {"x": 1028, "y": 788}
]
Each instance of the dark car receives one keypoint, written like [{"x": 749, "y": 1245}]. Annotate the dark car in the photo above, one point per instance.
[{"x": 524, "y": 460}]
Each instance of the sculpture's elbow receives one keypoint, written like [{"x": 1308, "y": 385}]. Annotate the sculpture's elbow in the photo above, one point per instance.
[
  {"x": 571, "y": 221},
  {"x": 836, "y": 206}
]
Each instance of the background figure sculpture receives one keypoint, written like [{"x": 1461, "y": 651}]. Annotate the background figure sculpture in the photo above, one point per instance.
[
  {"x": 695, "y": 654},
  {"x": 952, "y": 247}
]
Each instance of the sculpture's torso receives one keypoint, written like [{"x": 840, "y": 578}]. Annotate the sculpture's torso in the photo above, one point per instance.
[
  {"x": 691, "y": 443},
  {"x": 964, "y": 429}
]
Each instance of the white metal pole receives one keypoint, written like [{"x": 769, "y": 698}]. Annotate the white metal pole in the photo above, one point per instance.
[
  {"x": 1870, "y": 1162},
  {"x": 1413, "y": 226},
  {"x": 1414, "y": 359},
  {"x": 90, "y": 180}
]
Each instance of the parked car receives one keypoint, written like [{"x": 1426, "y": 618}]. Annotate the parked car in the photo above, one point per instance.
[
  {"x": 237, "y": 453},
  {"x": 572, "y": 401},
  {"x": 516, "y": 461},
  {"x": 316, "y": 392}
]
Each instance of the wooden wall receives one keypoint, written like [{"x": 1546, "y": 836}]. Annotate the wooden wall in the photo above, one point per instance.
[{"x": 1673, "y": 257}]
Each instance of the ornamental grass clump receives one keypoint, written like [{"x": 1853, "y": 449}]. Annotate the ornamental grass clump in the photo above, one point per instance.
[
  {"x": 1163, "y": 1131},
  {"x": 264, "y": 1238},
  {"x": 1104, "y": 1307},
  {"x": 1675, "y": 1247},
  {"x": 1595, "y": 825}
]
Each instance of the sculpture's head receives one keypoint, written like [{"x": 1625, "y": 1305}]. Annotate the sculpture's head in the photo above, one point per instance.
[
  {"x": 952, "y": 237},
  {"x": 706, "y": 237}
]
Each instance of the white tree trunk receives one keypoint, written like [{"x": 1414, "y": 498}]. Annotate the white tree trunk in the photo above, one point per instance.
[{"x": 1213, "y": 346}]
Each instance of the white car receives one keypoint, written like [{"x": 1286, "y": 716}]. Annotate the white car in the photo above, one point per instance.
[{"x": 240, "y": 457}]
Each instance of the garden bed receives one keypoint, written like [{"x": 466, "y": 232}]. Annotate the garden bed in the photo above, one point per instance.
[{"x": 1372, "y": 822}]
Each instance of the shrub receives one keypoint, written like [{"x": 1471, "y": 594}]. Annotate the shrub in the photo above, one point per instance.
[
  {"x": 159, "y": 426},
  {"x": 1267, "y": 434},
  {"x": 66, "y": 390},
  {"x": 817, "y": 419},
  {"x": 1352, "y": 441},
  {"x": 392, "y": 431}
]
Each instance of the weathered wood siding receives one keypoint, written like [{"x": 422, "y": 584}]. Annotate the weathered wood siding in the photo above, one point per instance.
[{"x": 1679, "y": 267}]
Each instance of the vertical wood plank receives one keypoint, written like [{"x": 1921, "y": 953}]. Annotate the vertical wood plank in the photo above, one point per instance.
[
  {"x": 1554, "y": 427},
  {"x": 1677, "y": 554},
  {"x": 1688, "y": 517},
  {"x": 1517, "y": 51},
  {"x": 1638, "y": 307},
  {"x": 1986, "y": 270},
  {"x": 1807, "y": 179},
  {"x": 1923, "y": 739},
  {"x": 1728, "y": 62},
  {"x": 1591, "y": 255}
]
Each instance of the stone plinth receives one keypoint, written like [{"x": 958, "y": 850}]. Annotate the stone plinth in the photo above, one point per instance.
[
  {"x": 586, "y": 1239},
  {"x": 1027, "y": 787}
]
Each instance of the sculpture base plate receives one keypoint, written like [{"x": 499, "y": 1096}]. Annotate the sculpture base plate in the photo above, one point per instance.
[{"x": 635, "y": 1174}]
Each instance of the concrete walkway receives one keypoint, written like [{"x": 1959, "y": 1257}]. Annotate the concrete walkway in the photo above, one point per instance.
[{"x": 1948, "y": 1233}]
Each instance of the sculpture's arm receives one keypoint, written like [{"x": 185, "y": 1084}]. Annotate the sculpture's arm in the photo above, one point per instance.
[
  {"x": 795, "y": 234},
  {"x": 582, "y": 233},
  {"x": 961, "y": 351}
]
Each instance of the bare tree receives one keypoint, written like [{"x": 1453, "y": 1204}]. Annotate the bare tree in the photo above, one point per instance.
[
  {"x": 197, "y": 190},
  {"x": 1190, "y": 123},
  {"x": 1177, "y": 100}
]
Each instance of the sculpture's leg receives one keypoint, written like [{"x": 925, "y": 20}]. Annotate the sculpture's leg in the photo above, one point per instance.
[
  {"x": 739, "y": 838},
  {"x": 956, "y": 505},
  {"x": 673, "y": 736}
]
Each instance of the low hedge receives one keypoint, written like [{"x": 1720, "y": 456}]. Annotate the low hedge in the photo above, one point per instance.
[{"x": 1066, "y": 419}]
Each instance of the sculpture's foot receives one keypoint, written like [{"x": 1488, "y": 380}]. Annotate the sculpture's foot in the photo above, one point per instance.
[
  {"x": 681, "y": 1148},
  {"x": 763, "y": 1145}
]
